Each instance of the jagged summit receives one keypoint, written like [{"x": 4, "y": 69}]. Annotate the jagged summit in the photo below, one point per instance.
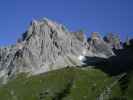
[
  {"x": 113, "y": 39},
  {"x": 98, "y": 47},
  {"x": 38, "y": 26}
]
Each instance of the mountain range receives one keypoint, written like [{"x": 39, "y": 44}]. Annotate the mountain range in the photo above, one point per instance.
[{"x": 48, "y": 47}]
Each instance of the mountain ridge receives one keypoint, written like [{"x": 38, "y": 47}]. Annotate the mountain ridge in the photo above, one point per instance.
[
  {"x": 48, "y": 45},
  {"x": 49, "y": 62},
  {"x": 43, "y": 47}
]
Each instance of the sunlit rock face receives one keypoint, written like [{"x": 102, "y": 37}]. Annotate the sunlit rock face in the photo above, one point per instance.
[
  {"x": 45, "y": 46},
  {"x": 48, "y": 45},
  {"x": 97, "y": 47}
]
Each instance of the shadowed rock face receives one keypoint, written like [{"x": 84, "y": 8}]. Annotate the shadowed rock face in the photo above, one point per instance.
[
  {"x": 113, "y": 39},
  {"x": 115, "y": 65},
  {"x": 45, "y": 46}
]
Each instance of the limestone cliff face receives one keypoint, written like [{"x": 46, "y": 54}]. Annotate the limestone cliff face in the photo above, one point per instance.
[
  {"x": 45, "y": 46},
  {"x": 97, "y": 47}
]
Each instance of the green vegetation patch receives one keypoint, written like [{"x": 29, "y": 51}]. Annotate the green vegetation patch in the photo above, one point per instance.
[{"x": 63, "y": 84}]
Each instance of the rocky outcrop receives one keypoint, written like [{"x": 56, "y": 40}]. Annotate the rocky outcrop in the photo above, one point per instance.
[
  {"x": 113, "y": 39},
  {"x": 45, "y": 46},
  {"x": 97, "y": 47}
]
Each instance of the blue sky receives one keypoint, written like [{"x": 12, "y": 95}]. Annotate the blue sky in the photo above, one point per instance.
[{"x": 90, "y": 15}]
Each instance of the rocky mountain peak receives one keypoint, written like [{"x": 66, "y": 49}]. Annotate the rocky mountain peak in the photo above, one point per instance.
[
  {"x": 98, "y": 47},
  {"x": 48, "y": 45},
  {"x": 39, "y": 26},
  {"x": 45, "y": 46},
  {"x": 96, "y": 36},
  {"x": 113, "y": 39}
]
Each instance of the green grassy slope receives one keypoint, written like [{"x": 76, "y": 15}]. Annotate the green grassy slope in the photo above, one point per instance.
[
  {"x": 129, "y": 89},
  {"x": 63, "y": 84}
]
